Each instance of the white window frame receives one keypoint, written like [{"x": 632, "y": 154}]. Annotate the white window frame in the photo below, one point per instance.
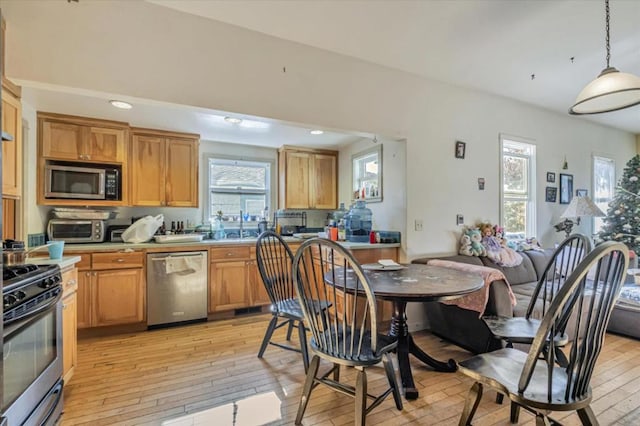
[
  {"x": 598, "y": 222},
  {"x": 530, "y": 224},
  {"x": 269, "y": 192}
]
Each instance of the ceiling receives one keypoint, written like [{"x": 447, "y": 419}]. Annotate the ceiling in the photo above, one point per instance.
[
  {"x": 517, "y": 49},
  {"x": 209, "y": 124},
  {"x": 542, "y": 52}
]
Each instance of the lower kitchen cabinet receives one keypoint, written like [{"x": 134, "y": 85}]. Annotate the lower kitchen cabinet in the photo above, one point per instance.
[
  {"x": 258, "y": 292},
  {"x": 228, "y": 286},
  {"x": 234, "y": 279},
  {"x": 118, "y": 297},
  {"x": 113, "y": 291},
  {"x": 69, "y": 323}
]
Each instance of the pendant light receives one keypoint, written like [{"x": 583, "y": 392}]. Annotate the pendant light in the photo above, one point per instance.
[{"x": 611, "y": 91}]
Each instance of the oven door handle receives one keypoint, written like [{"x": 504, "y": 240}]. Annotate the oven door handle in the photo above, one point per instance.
[
  {"x": 53, "y": 399},
  {"x": 34, "y": 315}
]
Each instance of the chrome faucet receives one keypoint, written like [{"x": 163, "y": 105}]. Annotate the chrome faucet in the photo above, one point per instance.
[{"x": 241, "y": 227}]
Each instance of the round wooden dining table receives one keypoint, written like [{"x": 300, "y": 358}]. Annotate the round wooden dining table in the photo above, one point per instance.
[{"x": 415, "y": 283}]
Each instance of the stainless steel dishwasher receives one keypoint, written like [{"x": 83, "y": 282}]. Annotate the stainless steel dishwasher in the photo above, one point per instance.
[{"x": 176, "y": 287}]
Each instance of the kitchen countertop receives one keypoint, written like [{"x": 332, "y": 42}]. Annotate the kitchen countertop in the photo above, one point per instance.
[
  {"x": 65, "y": 262},
  {"x": 201, "y": 245}
]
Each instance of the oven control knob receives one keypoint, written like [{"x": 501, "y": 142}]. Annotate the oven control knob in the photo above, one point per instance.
[
  {"x": 48, "y": 282},
  {"x": 8, "y": 301}
]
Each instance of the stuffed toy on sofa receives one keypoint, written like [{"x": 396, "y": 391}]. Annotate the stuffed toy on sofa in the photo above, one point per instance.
[
  {"x": 496, "y": 250},
  {"x": 471, "y": 243}
]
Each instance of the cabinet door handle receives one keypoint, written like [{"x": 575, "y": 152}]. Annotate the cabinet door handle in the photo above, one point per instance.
[
  {"x": 229, "y": 254},
  {"x": 118, "y": 260},
  {"x": 71, "y": 282},
  {"x": 64, "y": 306}
]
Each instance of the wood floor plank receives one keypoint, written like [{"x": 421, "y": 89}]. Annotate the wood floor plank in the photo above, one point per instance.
[{"x": 211, "y": 369}]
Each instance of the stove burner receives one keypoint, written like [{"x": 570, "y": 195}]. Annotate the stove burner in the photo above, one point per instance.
[{"x": 13, "y": 271}]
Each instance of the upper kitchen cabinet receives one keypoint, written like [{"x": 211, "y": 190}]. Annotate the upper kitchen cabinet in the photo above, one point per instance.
[
  {"x": 70, "y": 138},
  {"x": 81, "y": 161},
  {"x": 11, "y": 149},
  {"x": 164, "y": 168},
  {"x": 308, "y": 178}
]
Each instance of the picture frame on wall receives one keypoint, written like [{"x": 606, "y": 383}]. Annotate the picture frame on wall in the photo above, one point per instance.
[
  {"x": 581, "y": 192},
  {"x": 550, "y": 194},
  {"x": 461, "y": 147},
  {"x": 551, "y": 177},
  {"x": 566, "y": 188}
]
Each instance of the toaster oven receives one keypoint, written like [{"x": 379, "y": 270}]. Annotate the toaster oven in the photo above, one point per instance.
[{"x": 76, "y": 230}]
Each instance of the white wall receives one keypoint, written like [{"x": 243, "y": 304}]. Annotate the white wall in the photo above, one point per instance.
[
  {"x": 146, "y": 51},
  {"x": 391, "y": 213}
]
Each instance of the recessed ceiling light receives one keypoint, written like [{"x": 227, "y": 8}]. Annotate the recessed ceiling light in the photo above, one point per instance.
[
  {"x": 121, "y": 104},
  {"x": 233, "y": 120},
  {"x": 316, "y": 132}
]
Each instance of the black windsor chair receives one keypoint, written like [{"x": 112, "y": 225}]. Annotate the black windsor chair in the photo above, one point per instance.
[
  {"x": 522, "y": 330},
  {"x": 275, "y": 265},
  {"x": 535, "y": 381},
  {"x": 345, "y": 333}
]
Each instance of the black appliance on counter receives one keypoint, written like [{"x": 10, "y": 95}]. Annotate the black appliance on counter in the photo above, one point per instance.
[
  {"x": 32, "y": 344},
  {"x": 114, "y": 233}
]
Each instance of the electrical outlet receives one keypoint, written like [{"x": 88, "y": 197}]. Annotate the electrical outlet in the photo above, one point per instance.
[
  {"x": 418, "y": 224},
  {"x": 459, "y": 219}
]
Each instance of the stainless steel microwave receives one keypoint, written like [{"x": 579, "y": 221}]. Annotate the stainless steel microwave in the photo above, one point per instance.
[
  {"x": 82, "y": 183},
  {"x": 76, "y": 230}
]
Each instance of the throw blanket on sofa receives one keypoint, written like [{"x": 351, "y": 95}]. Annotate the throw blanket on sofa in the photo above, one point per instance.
[{"x": 476, "y": 301}]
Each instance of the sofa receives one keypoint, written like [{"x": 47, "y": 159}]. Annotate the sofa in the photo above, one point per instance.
[{"x": 464, "y": 327}]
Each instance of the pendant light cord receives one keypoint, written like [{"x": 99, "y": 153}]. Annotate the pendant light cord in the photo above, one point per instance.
[{"x": 606, "y": 8}]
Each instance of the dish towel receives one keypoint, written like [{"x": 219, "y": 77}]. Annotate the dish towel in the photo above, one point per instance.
[
  {"x": 476, "y": 301},
  {"x": 189, "y": 264}
]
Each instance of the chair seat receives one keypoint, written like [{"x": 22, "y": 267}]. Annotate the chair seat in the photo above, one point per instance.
[
  {"x": 290, "y": 308},
  {"x": 502, "y": 368},
  {"x": 519, "y": 330}
]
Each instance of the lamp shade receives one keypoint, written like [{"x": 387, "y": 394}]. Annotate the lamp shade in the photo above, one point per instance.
[
  {"x": 611, "y": 91},
  {"x": 582, "y": 206}
]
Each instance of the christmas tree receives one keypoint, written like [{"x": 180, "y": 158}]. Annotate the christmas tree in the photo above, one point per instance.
[{"x": 622, "y": 222}]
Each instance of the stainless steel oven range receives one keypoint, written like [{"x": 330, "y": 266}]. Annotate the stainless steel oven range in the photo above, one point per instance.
[{"x": 32, "y": 344}]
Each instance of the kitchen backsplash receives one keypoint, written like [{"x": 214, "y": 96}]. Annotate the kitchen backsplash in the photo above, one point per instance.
[{"x": 34, "y": 240}]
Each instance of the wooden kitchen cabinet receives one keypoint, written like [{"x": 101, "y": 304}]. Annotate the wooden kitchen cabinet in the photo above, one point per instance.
[
  {"x": 118, "y": 297},
  {"x": 258, "y": 292},
  {"x": 235, "y": 281},
  {"x": 11, "y": 150},
  {"x": 308, "y": 179},
  {"x": 112, "y": 291},
  {"x": 164, "y": 168},
  {"x": 228, "y": 286},
  {"x": 69, "y": 322},
  {"x": 76, "y": 139}
]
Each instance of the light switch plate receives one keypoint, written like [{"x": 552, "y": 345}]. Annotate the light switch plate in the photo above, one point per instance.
[
  {"x": 418, "y": 224},
  {"x": 459, "y": 219}
]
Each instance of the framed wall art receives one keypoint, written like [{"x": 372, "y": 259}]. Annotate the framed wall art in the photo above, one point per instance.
[
  {"x": 550, "y": 194},
  {"x": 551, "y": 177},
  {"x": 461, "y": 147},
  {"x": 566, "y": 188}
]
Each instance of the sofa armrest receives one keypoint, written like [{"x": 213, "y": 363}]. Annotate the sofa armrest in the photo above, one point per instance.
[{"x": 499, "y": 302}]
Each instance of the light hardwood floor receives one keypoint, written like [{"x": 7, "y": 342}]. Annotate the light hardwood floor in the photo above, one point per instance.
[{"x": 208, "y": 374}]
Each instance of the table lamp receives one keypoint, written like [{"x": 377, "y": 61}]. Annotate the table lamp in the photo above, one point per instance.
[{"x": 578, "y": 207}]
